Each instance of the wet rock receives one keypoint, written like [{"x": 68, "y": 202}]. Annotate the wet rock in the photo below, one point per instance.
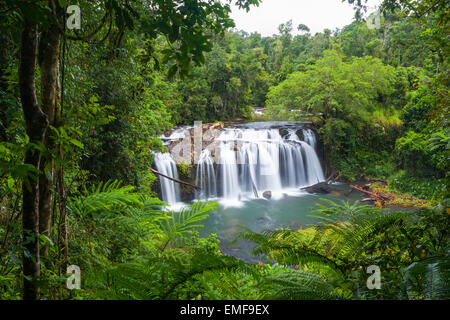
[
  {"x": 267, "y": 194},
  {"x": 300, "y": 135},
  {"x": 322, "y": 188},
  {"x": 283, "y": 132}
]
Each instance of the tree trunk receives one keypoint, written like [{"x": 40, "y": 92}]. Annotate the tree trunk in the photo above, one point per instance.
[
  {"x": 5, "y": 53},
  {"x": 63, "y": 240},
  {"x": 49, "y": 45},
  {"x": 37, "y": 199},
  {"x": 36, "y": 124}
]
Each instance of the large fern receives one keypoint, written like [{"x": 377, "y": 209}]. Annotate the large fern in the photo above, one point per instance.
[
  {"x": 108, "y": 222},
  {"x": 316, "y": 277},
  {"x": 427, "y": 279},
  {"x": 283, "y": 246},
  {"x": 102, "y": 198},
  {"x": 300, "y": 285},
  {"x": 181, "y": 224},
  {"x": 347, "y": 239},
  {"x": 171, "y": 274},
  {"x": 353, "y": 225}
]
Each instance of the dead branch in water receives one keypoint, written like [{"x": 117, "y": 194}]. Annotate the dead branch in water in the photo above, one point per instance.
[
  {"x": 175, "y": 180},
  {"x": 374, "y": 195}
]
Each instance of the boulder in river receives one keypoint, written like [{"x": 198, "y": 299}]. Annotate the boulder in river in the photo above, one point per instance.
[
  {"x": 267, "y": 194},
  {"x": 321, "y": 187}
]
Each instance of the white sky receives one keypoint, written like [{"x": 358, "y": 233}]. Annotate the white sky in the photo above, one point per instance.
[{"x": 316, "y": 14}]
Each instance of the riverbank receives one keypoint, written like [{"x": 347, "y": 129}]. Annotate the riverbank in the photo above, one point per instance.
[{"x": 380, "y": 194}]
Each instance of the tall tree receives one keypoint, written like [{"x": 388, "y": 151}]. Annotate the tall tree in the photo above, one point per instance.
[{"x": 186, "y": 25}]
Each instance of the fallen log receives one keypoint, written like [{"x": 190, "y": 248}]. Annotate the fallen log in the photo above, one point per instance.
[
  {"x": 375, "y": 195},
  {"x": 216, "y": 125},
  {"x": 367, "y": 186},
  {"x": 331, "y": 177},
  {"x": 175, "y": 180}
]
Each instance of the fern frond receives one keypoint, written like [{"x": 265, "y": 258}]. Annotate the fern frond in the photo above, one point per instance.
[
  {"x": 428, "y": 279},
  {"x": 103, "y": 197},
  {"x": 299, "y": 285},
  {"x": 184, "y": 223},
  {"x": 353, "y": 225},
  {"x": 282, "y": 245},
  {"x": 167, "y": 275}
]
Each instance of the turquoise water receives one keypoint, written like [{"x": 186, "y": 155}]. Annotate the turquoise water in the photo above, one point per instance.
[{"x": 291, "y": 211}]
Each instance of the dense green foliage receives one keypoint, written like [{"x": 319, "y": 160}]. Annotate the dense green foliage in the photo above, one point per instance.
[
  {"x": 410, "y": 248},
  {"x": 377, "y": 97}
]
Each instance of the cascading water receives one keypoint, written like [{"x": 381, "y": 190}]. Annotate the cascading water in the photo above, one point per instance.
[
  {"x": 166, "y": 165},
  {"x": 312, "y": 170},
  {"x": 310, "y": 137},
  {"x": 252, "y": 161},
  {"x": 259, "y": 161},
  {"x": 246, "y": 162},
  {"x": 205, "y": 177},
  {"x": 228, "y": 171}
]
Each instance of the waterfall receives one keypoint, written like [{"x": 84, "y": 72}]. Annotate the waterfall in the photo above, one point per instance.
[
  {"x": 251, "y": 161},
  {"x": 314, "y": 172},
  {"x": 247, "y": 161},
  {"x": 310, "y": 137},
  {"x": 263, "y": 147},
  {"x": 228, "y": 170},
  {"x": 166, "y": 165},
  {"x": 205, "y": 176}
]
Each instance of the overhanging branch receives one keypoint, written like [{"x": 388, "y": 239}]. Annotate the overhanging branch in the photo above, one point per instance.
[{"x": 175, "y": 180}]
